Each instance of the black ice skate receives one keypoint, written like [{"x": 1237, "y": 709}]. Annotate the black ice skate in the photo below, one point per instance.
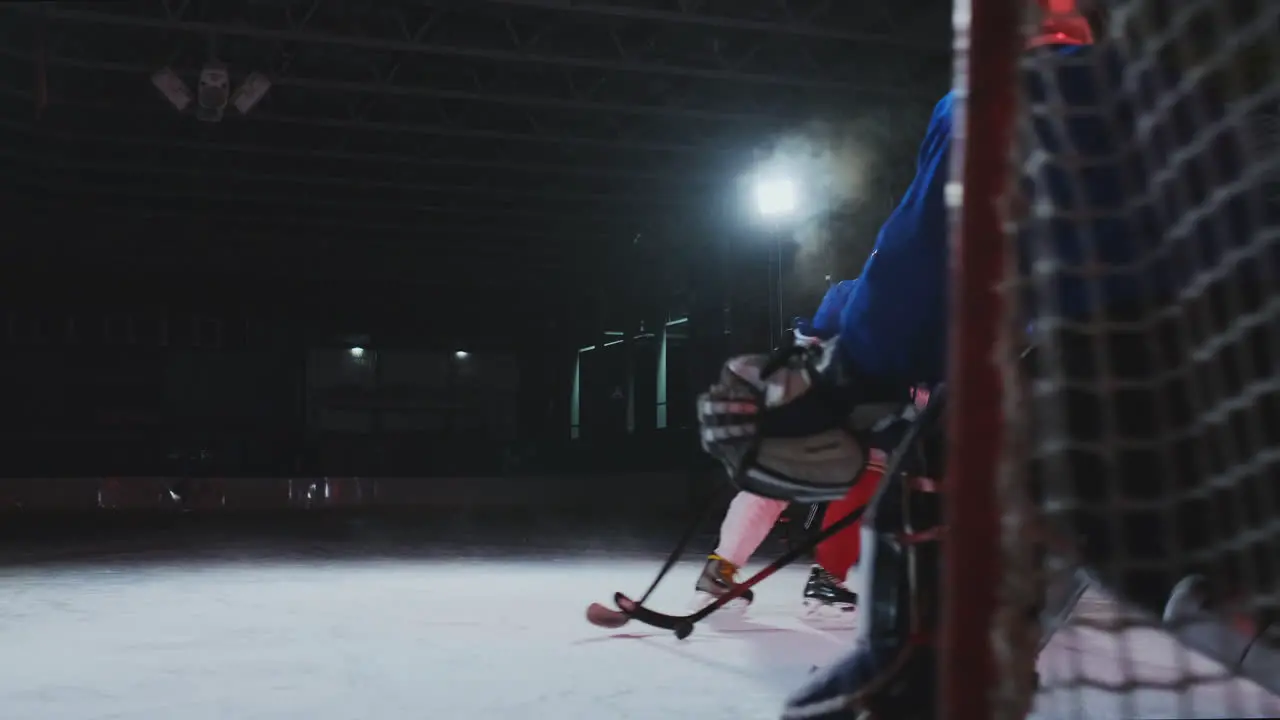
[
  {"x": 719, "y": 577},
  {"x": 824, "y": 594}
]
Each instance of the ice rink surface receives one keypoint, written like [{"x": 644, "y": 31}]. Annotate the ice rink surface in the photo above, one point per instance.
[{"x": 393, "y": 639}]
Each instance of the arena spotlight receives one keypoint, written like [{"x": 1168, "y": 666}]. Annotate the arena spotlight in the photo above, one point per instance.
[
  {"x": 356, "y": 352},
  {"x": 172, "y": 87},
  {"x": 250, "y": 92},
  {"x": 776, "y": 196},
  {"x": 462, "y": 354}
]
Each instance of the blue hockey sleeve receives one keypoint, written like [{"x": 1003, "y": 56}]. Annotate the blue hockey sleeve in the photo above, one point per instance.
[
  {"x": 826, "y": 321},
  {"x": 894, "y": 323}
]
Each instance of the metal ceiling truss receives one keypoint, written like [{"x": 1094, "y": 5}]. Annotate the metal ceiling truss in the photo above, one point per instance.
[
  {"x": 431, "y": 126},
  {"x": 221, "y": 196},
  {"x": 814, "y": 19},
  {"x": 399, "y": 50},
  {"x": 423, "y": 233},
  {"x": 539, "y": 40},
  {"x": 359, "y": 106},
  {"x": 169, "y": 239},
  {"x": 521, "y": 131},
  {"x": 226, "y": 255},
  {"x": 513, "y": 124},
  {"x": 67, "y": 172},
  {"x": 334, "y": 145},
  {"x": 534, "y": 249},
  {"x": 265, "y": 155}
]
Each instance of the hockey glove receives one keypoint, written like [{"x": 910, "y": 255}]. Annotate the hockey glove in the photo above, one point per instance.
[{"x": 786, "y": 426}]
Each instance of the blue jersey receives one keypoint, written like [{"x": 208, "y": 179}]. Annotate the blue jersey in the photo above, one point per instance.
[
  {"x": 894, "y": 324},
  {"x": 826, "y": 321}
]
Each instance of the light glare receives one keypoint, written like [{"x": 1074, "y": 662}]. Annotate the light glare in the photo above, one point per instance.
[{"x": 776, "y": 197}]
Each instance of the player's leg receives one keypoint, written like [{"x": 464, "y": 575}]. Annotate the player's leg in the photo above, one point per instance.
[
  {"x": 746, "y": 524},
  {"x": 835, "y": 556}
]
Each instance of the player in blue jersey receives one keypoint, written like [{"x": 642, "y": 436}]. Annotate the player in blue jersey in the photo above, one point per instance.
[
  {"x": 796, "y": 414},
  {"x": 892, "y": 336}
]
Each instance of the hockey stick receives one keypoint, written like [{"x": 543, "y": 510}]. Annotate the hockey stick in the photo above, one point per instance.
[
  {"x": 813, "y": 514},
  {"x": 605, "y": 617},
  {"x": 683, "y": 624},
  {"x": 808, "y": 524}
]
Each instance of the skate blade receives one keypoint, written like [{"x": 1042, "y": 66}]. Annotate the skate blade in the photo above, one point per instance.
[{"x": 829, "y": 616}]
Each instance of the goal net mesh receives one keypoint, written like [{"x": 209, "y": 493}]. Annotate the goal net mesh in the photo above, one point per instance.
[{"x": 1140, "y": 357}]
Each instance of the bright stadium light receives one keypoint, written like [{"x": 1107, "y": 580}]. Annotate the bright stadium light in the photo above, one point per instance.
[
  {"x": 776, "y": 196},
  {"x": 356, "y": 352},
  {"x": 462, "y": 354}
]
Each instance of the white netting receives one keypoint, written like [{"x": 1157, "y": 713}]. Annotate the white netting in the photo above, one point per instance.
[{"x": 1146, "y": 418}]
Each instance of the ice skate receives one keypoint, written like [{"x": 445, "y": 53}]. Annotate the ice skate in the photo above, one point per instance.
[
  {"x": 718, "y": 577},
  {"x": 1188, "y": 597},
  {"x": 826, "y": 597}
]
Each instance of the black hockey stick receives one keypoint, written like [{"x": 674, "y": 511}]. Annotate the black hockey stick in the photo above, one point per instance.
[
  {"x": 606, "y": 617},
  {"x": 813, "y": 514},
  {"x": 683, "y": 624}
]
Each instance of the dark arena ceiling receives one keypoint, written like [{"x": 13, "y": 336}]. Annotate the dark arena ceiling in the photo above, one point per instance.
[{"x": 503, "y": 146}]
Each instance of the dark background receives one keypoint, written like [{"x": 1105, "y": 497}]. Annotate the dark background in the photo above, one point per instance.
[{"x": 516, "y": 179}]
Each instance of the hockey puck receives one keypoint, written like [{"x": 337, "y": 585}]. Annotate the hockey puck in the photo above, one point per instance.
[{"x": 684, "y": 629}]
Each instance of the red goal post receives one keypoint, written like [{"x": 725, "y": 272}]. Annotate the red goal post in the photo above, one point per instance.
[
  {"x": 986, "y": 47},
  {"x": 1189, "y": 101}
]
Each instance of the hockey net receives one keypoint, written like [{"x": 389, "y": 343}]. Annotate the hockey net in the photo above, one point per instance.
[{"x": 1117, "y": 254}]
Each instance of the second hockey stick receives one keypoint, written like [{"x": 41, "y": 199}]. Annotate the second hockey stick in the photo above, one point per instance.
[
  {"x": 683, "y": 624},
  {"x": 606, "y": 617}
]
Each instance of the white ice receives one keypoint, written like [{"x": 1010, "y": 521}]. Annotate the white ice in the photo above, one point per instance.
[
  {"x": 1145, "y": 673},
  {"x": 384, "y": 640},
  {"x": 395, "y": 639}
]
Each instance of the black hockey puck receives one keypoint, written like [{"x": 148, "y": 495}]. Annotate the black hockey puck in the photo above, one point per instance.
[{"x": 684, "y": 629}]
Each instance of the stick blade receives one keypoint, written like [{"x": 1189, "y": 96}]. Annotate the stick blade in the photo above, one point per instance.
[{"x": 604, "y": 617}]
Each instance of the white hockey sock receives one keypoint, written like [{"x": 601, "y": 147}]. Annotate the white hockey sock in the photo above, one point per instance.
[{"x": 746, "y": 524}]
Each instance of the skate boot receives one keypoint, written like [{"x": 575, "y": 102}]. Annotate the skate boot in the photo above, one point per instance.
[
  {"x": 825, "y": 595},
  {"x": 717, "y": 578}
]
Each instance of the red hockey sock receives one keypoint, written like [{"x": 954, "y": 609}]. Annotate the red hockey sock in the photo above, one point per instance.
[{"x": 841, "y": 551}]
